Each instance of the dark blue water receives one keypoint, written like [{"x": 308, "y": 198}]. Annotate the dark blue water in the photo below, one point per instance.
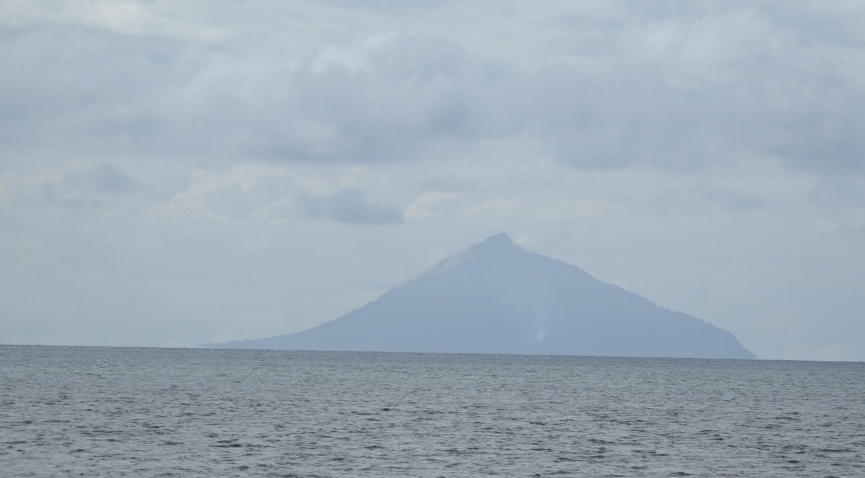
[{"x": 78, "y": 411}]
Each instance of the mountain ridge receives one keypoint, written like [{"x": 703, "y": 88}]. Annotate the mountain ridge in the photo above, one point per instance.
[{"x": 496, "y": 297}]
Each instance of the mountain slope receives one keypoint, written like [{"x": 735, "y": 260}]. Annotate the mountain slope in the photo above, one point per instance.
[{"x": 498, "y": 298}]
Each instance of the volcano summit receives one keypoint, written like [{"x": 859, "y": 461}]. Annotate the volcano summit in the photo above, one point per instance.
[{"x": 498, "y": 298}]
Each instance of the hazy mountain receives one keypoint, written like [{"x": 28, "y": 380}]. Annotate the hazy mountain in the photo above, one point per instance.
[{"x": 498, "y": 298}]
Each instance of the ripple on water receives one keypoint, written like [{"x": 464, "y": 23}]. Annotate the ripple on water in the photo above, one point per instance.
[{"x": 221, "y": 413}]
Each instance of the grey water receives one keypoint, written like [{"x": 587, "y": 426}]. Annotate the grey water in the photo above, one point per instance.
[{"x": 81, "y": 411}]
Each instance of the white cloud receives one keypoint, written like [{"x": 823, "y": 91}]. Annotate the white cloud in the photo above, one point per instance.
[{"x": 234, "y": 195}]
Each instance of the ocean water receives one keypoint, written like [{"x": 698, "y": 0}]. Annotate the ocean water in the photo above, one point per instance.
[{"x": 113, "y": 412}]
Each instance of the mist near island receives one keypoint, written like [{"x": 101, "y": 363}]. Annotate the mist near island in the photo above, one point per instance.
[{"x": 174, "y": 174}]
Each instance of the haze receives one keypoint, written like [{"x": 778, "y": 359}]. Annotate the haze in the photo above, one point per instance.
[{"x": 173, "y": 174}]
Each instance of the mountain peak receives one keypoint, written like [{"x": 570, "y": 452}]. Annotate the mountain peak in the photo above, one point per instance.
[
  {"x": 498, "y": 239},
  {"x": 496, "y": 248},
  {"x": 499, "y": 242}
]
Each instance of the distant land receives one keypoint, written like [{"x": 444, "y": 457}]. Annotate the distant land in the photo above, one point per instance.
[{"x": 498, "y": 298}]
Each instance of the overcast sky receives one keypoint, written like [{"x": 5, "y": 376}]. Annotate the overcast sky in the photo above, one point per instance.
[{"x": 175, "y": 173}]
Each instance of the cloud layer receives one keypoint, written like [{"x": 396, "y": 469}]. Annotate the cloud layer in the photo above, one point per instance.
[
  {"x": 179, "y": 174},
  {"x": 681, "y": 89}
]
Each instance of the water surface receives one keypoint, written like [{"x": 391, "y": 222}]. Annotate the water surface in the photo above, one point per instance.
[{"x": 81, "y": 411}]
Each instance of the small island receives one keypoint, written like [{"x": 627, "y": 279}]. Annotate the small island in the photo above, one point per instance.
[{"x": 498, "y": 298}]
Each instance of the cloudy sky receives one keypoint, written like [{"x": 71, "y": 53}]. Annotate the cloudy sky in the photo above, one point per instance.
[{"x": 175, "y": 173}]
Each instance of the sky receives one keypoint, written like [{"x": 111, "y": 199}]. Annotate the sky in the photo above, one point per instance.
[{"x": 179, "y": 173}]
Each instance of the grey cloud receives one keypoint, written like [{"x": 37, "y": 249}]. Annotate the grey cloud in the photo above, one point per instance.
[
  {"x": 604, "y": 123},
  {"x": 839, "y": 193},
  {"x": 107, "y": 179},
  {"x": 391, "y": 7},
  {"x": 827, "y": 141},
  {"x": 448, "y": 183},
  {"x": 58, "y": 195},
  {"x": 411, "y": 93},
  {"x": 76, "y": 189},
  {"x": 668, "y": 87},
  {"x": 102, "y": 179},
  {"x": 730, "y": 199},
  {"x": 706, "y": 87},
  {"x": 82, "y": 88},
  {"x": 349, "y": 205},
  {"x": 107, "y": 91}
]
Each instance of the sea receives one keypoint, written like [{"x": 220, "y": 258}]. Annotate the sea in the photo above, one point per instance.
[{"x": 150, "y": 412}]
